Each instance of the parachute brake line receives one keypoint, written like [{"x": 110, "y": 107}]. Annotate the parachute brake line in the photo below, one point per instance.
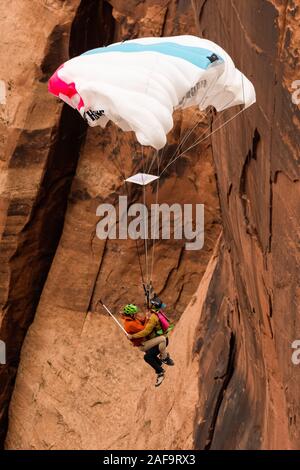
[
  {"x": 146, "y": 235},
  {"x": 113, "y": 317},
  {"x": 201, "y": 138}
]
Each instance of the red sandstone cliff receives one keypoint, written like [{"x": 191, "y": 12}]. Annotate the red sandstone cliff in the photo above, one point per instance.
[{"x": 234, "y": 385}]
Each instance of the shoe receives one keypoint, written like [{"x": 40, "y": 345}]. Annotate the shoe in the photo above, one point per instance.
[
  {"x": 168, "y": 361},
  {"x": 159, "y": 378}
]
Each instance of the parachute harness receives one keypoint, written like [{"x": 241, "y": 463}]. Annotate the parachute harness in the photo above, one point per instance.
[
  {"x": 155, "y": 220},
  {"x": 212, "y": 132}
]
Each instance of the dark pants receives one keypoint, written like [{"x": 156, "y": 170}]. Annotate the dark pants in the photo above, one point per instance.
[{"x": 151, "y": 357}]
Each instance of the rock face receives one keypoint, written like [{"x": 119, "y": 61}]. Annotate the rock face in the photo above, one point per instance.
[{"x": 234, "y": 385}]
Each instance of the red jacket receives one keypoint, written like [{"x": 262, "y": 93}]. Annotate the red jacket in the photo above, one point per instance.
[{"x": 133, "y": 325}]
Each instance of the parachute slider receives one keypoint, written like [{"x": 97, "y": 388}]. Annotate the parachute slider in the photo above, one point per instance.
[{"x": 142, "y": 179}]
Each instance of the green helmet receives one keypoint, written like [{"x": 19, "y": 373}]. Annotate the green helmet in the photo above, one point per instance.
[{"x": 130, "y": 309}]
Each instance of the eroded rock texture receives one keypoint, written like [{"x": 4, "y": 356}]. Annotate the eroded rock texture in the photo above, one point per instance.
[{"x": 234, "y": 385}]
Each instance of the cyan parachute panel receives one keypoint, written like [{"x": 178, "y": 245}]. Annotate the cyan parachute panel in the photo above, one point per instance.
[{"x": 195, "y": 55}]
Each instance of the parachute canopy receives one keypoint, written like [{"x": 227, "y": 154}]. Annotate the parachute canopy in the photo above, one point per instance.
[{"x": 138, "y": 83}]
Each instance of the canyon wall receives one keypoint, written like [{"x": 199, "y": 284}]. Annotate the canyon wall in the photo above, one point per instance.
[{"x": 76, "y": 373}]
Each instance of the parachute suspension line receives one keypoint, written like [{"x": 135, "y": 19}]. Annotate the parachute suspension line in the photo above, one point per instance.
[
  {"x": 155, "y": 221},
  {"x": 136, "y": 242},
  {"x": 113, "y": 317},
  {"x": 146, "y": 285},
  {"x": 120, "y": 169},
  {"x": 119, "y": 165},
  {"x": 174, "y": 157},
  {"x": 184, "y": 139},
  {"x": 144, "y": 278},
  {"x": 189, "y": 132},
  {"x": 243, "y": 87},
  {"x": 122, "y": 172},
  {"x": 201, "y": 135},
  {"x": 199, "y": 140},
  {"x": 160, "y": 158},
  {"x": 154, "y": 157},
  {"x": 141, "y": 270}
]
